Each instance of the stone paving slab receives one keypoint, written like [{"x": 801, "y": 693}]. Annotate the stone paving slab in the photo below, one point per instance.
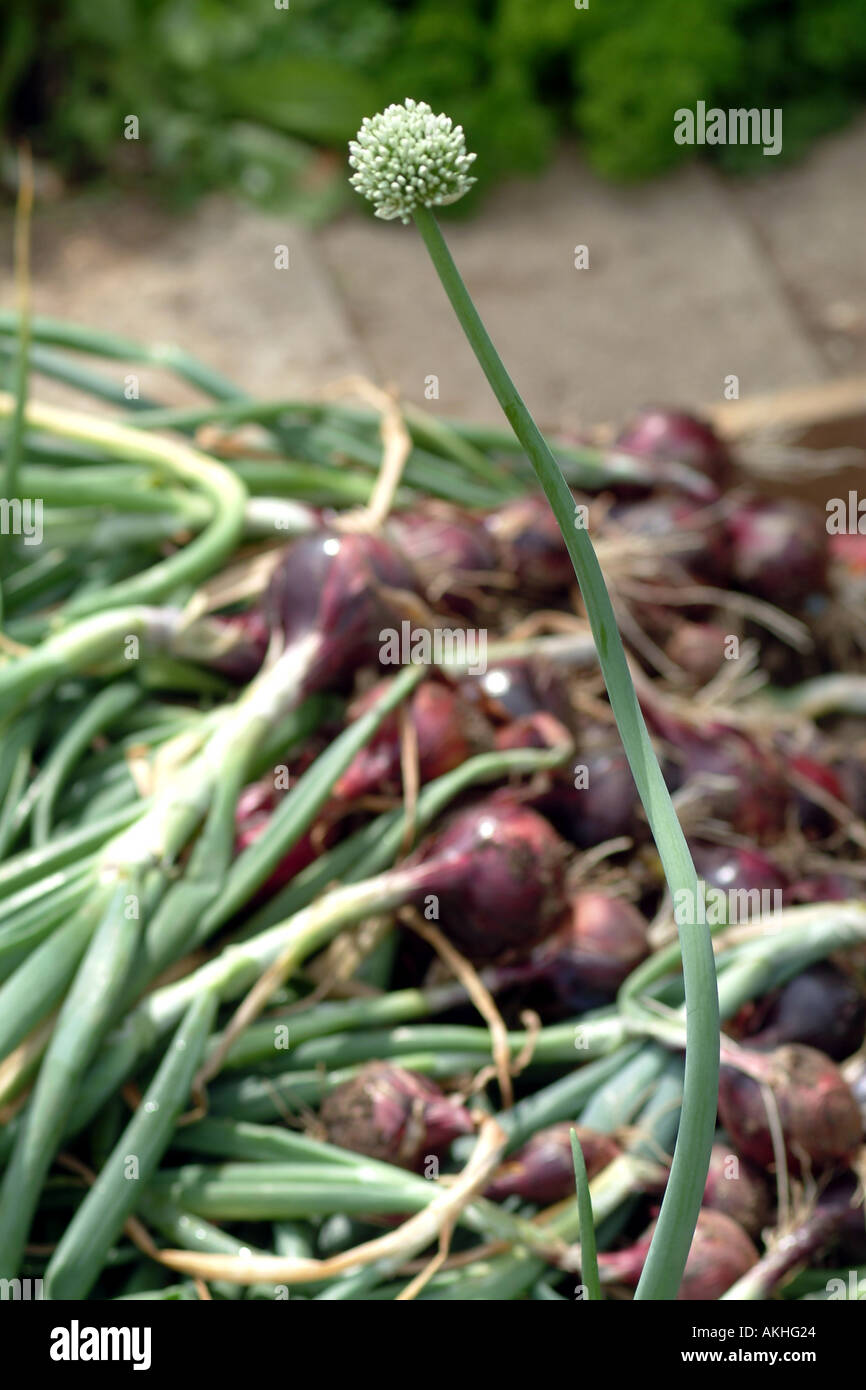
[
  {"x": 206, "y": 281},
  {"x": 810, "y": 219},
  {"x": 678, "y": 295}
]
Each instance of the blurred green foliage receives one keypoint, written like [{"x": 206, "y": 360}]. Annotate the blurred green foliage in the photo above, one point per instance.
[{"x": 246, "y": 95}]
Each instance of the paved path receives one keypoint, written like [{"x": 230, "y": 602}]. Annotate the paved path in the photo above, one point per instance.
[{"x": 690, "y": 279}]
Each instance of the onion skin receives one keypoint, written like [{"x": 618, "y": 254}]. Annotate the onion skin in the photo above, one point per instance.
[
  {"x": 820, "y": 1121},
  {"x": 756, "y": 804},
  {"x": 674, "y": 435},
  {"x": 235, "y": 645},
  {"x": 814, "y": 820},
  {"x": 530, "y": 546},
  {"x": 394, "y": 1115},
  {"x": 848, "y": 555},
  {"x": 329, "y": 589},
  {"x": 539, "y": 730},
  {"x": 698, "y": 648},
  {"x": 451, "y": 553},
  {"x": 447, "y": 731},
  {"x": 829, "y": 888},
  {"x": 721, "y": 1253},
  {"x": 497, "y": 872},
  {"x": 605, "y": 805},
  {"x": 598, "y": 948},
  {"x": 821, "y": 1008},
  {"x": 664, "y": 520},
  {"x": 723, "y": 866},
  {"x": 542, "y": 1170},
  {"x": 256, "y": 805},
  {"x": 514, "y": 689},
  {"x": 779, "y": 550},
  {"x": 738, "y": 1189},
  {"x": 854, "y": 1072}
]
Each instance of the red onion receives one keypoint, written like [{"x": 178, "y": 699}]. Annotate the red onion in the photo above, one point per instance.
[
  {"x": 852, "y": 775},
  {"x": 597, "y": 800},
  {"x": 451, "y": 552},
  {"x": 722, "y": 866},
  {"x": 721, "y": 1252},
  {"x": 821, "y": 1008},
  {"x": 779, "y": 550},
  {"x": 848, "y": 553},
  {"x": 698, "y": 648},
  {"x": 670, "y": 522},
  {"x": 256, "y": 805},
  {"x": 854, "y": 1072},
  {"x": 511, "y": 689},
  {"x": 394, "y": 1115},
  {"x": 673, "y": 435},
  {"x": 542, "y": 1171},
  {"x": 327, "y": 597},
  {"x": 496, "y": 872},
  {"x": 448, "y": 730},
  {"x": 820, "y": 1122},
  {"x": 538, "y": 730},
  {"x": 530, "y": 546},
  {"x": 814, "y": 820},
  {"x": 599, "y": 947},
  {"x": 757, "y": 802},
  {"x": 235, "y": 645},
  {"x": 828, "y": 888},
  {"x": 835, "y": 1220},
  {"x": 738, "y": 1189}
]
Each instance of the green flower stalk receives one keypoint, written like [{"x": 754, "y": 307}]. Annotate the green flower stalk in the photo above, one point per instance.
[{"x": 406, "y": 161}]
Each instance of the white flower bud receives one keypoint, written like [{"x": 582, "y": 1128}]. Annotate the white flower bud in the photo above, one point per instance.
[{"x": 406, "y": 156}]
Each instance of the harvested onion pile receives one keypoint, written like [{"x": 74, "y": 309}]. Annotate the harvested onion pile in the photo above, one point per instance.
[{"x": 317, "y": 820}]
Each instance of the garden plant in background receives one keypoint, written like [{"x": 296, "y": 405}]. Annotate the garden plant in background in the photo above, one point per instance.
[{"x": 254, "y": 97}]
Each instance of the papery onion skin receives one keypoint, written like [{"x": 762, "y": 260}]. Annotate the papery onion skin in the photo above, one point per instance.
[
  {"x": 698, "y": 648},
  {"x": 819, "y": 1118},
  {"x": 671, "y": 435},
  {"x": 542, "y": 1170},
  {"x": 721, "y": 1253},
  {"x": 756, "y": 797},
  {"x": 531, "y": 547},
  {"x": 738, "y": 1189},
  {"x": 394, "y": 1115},
  {"x": 451, "y": 552},
  {"x": 680, "y": 529},
  {"x": 447, "y": 730},
  {"x": 538, "y": 730},
  {"x": 779, "y": 550}
]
